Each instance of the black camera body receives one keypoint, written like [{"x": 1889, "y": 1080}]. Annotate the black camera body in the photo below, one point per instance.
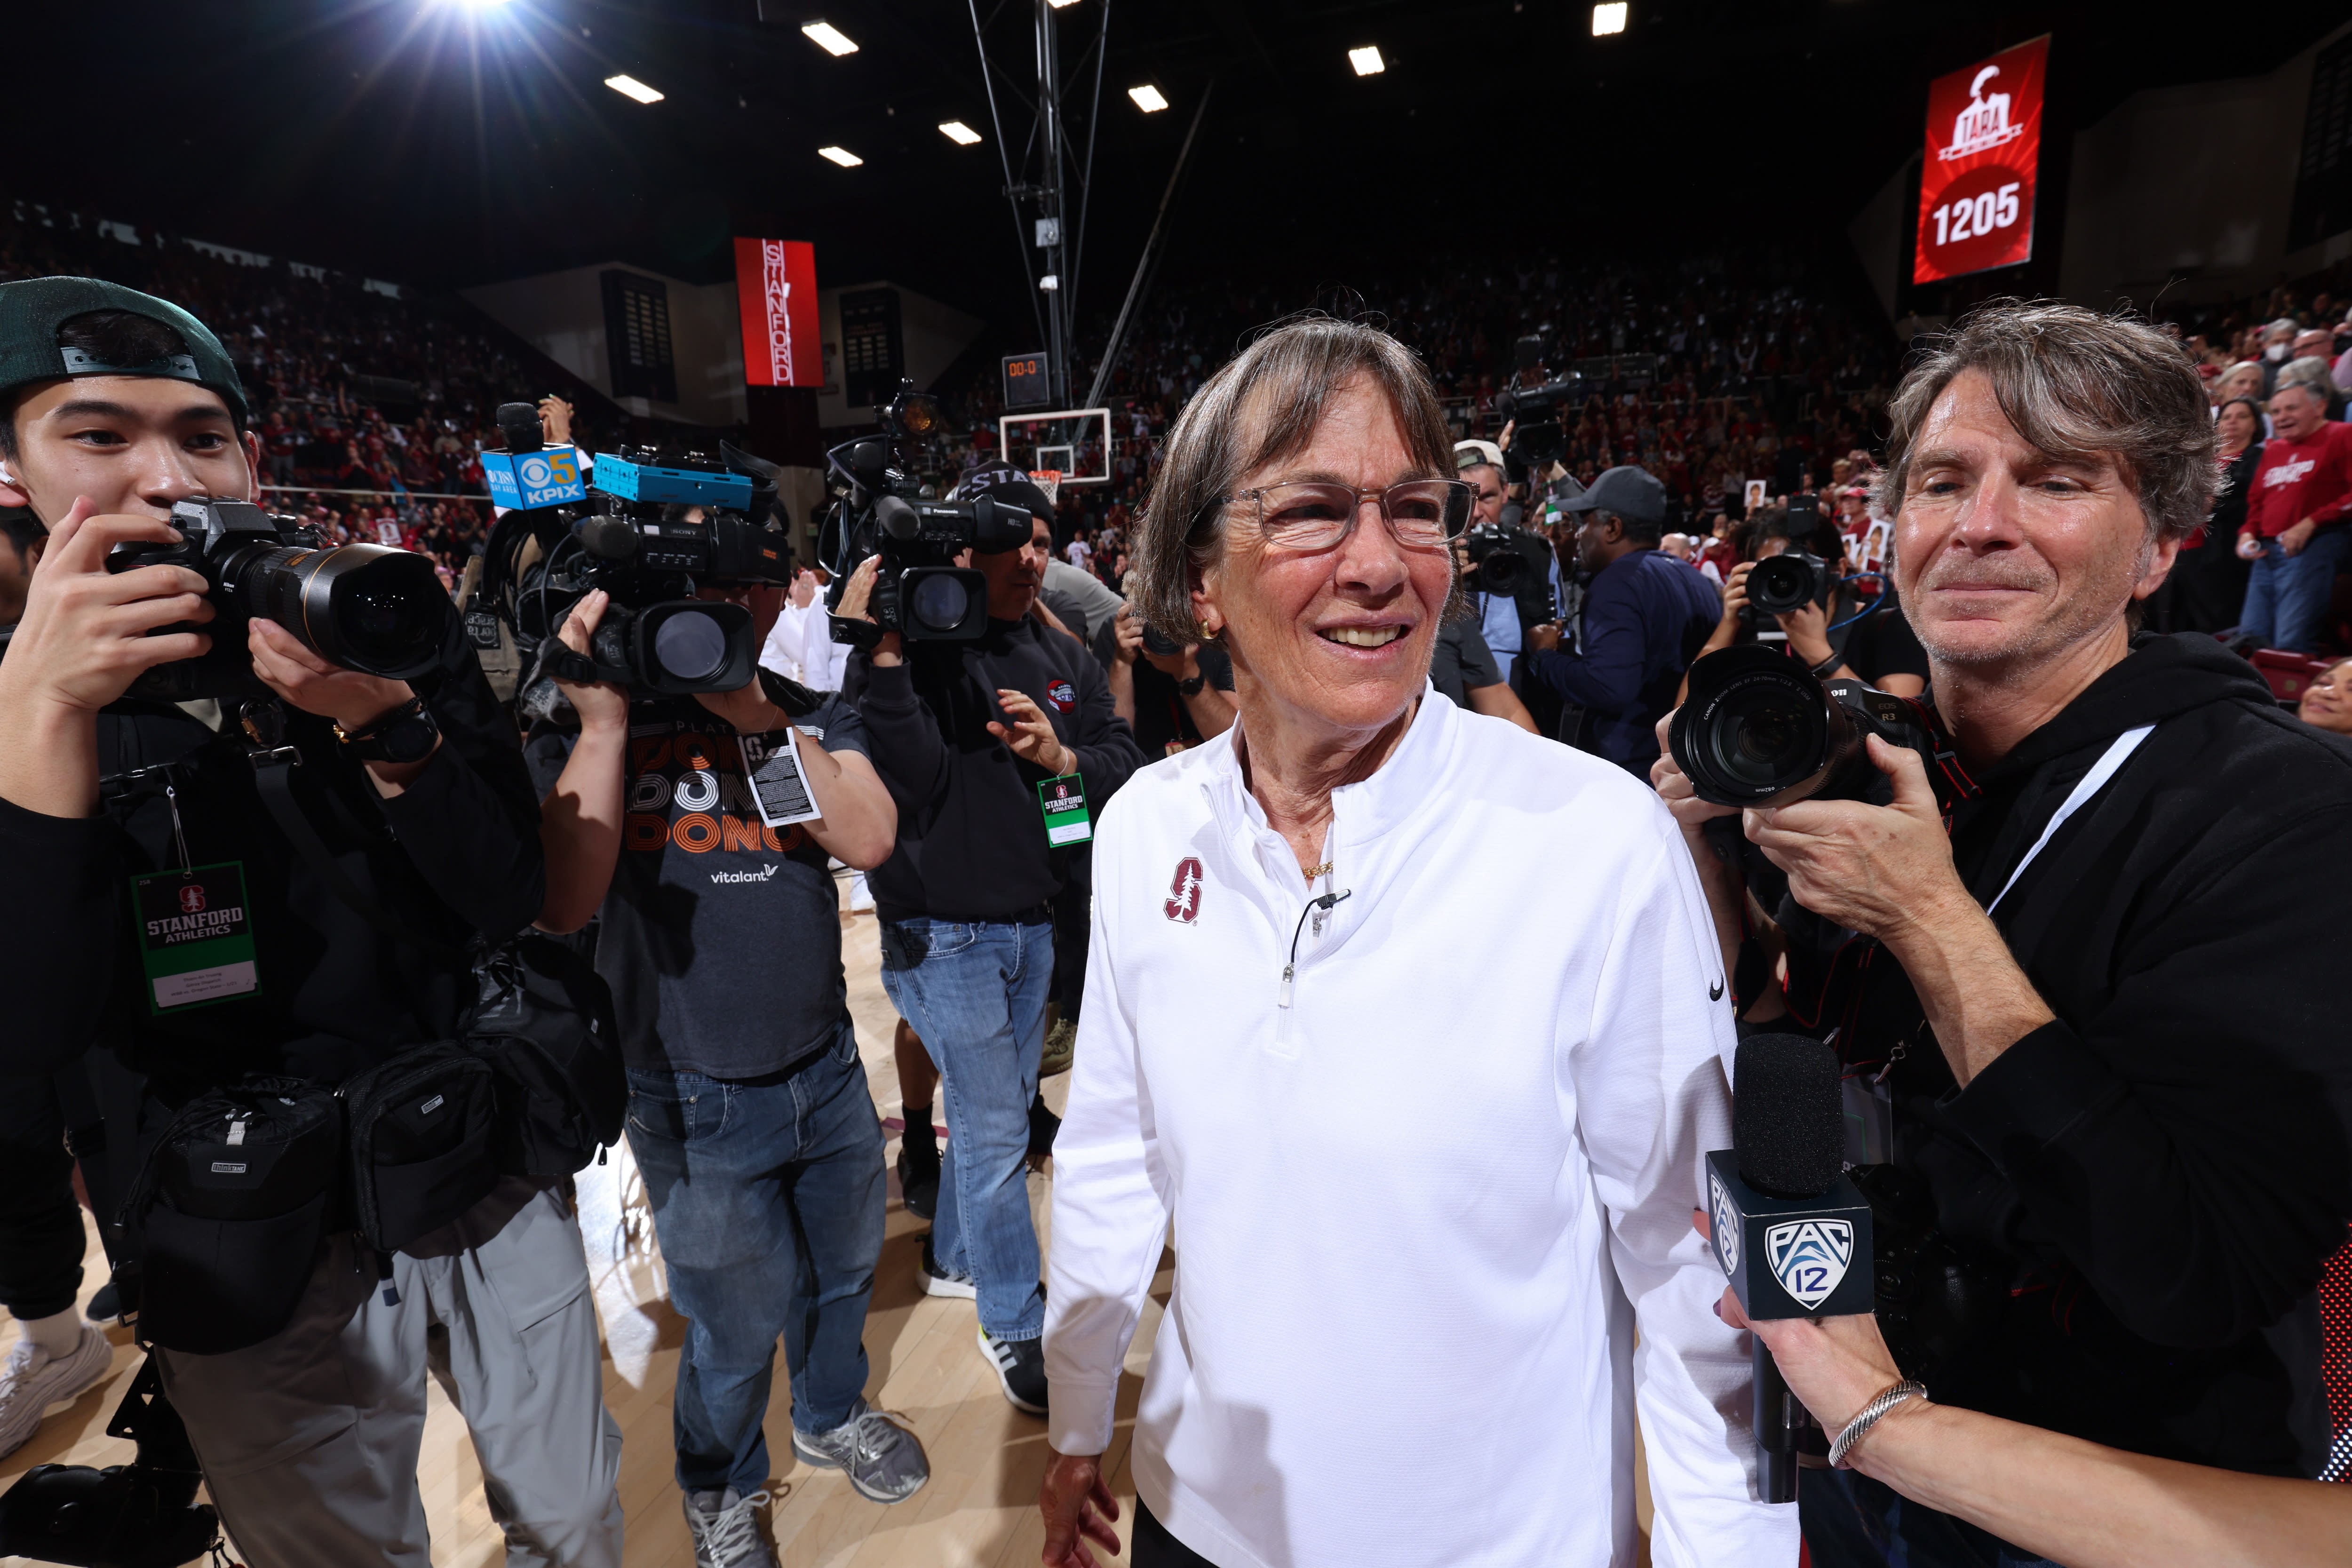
[
  {"x": 1759, "y": 729},
  {"x": 367, "y": 607},
  {"x": 1540, "y": 434},
  {"x": 1507, "y": 559},
  {"x": 1783, "y": 584},
  {"x": 918, "y": 591}
]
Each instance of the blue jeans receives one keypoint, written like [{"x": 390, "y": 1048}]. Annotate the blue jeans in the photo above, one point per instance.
[
  {"x": 2286, "y": 597},
  {"x": 768, "y": 1198},
  {"x": 1852, "y": 1522},
  {"x": 976, "y": 992}
]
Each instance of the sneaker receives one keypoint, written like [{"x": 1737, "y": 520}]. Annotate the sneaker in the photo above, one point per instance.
[
  {"x": 918, "y": 1171},
  {"x": 1021, "y": 1368},
  {"x": 726, "y": 1529},
  {"x": 32, "y": 1380},
  {"x": 861, "y": 896},
  {"x": 1044, "y": 1127},
  {"x": 938, "y": 1281},
  {"x": 881, "y": 1457},
  {"x": 1061, "y": 1046}
]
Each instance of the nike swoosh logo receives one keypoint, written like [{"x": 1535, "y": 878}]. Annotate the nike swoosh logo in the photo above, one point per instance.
[{"x": 1715, "y": 991}]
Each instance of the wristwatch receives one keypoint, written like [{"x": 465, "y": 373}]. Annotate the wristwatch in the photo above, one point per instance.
[
  {"x": 1193, "y": 688},
  {"x": 406, "y": 734}
]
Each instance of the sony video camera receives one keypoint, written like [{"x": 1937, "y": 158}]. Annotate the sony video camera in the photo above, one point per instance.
[
  {"x": 363, "y": 606},
  {"x": 1760, "y": 730},
  {"x": 920, "y": 593},
  {"x": 143, "y": 1514},
  {"x": 1534, "y": 399}
]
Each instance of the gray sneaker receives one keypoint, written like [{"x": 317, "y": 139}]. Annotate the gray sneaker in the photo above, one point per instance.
[
  {"x": 726, "y": 1529},
  {"x": 883, "y": 1459}
]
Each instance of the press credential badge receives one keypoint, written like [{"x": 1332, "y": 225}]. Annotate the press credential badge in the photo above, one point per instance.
[
  {"x": 195, "y": 937},
  {"x": 1064, "y": 802},
  {"x": 779, "y": 786}
]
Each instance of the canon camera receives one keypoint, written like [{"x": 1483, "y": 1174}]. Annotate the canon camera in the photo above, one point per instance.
[
  {"x": 366, "y": 607},
  {"x": 1760, "y": 730}
]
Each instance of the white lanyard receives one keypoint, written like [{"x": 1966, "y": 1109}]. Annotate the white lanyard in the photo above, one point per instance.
[{"x": 2101, "y": 772}]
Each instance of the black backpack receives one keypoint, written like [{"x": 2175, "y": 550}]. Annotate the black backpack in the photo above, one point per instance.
[{"x": 544, "y": 1024}]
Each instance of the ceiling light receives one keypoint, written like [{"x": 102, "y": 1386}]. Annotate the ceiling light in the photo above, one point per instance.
[
  {"x": 1146, "y": 99},
  {"x": 1060, "y": 5},
  {"x": 1367, "y": 60},
  {"x": 630, "y": 86},
  {"x": 829, "y": 39},
  {"x": 841, "y": 156},
  {"x": 957, "y": 131},
  {"x": 1608, "y": 17}
]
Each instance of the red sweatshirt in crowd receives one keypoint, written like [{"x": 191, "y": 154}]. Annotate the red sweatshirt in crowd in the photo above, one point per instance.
[{"x": 2311, "y": 478}]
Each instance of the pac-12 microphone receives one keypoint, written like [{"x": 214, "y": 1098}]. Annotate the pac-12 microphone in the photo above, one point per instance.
[{"x": 1791, "y": 1230}]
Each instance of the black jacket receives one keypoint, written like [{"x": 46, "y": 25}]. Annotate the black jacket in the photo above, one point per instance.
[
  {"x": 972, "y": 837},
  {"x": 455, "y": 853},
  {"x": 2158, "y": 1176}
]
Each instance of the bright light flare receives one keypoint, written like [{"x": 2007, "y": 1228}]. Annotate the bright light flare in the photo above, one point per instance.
[
  {"x": 1608, "y": 17},
  {"x": 1146, "y": 99},
  {"x": 1367, "y": 60},
  {"x": 841, "y": 156},
  {"x": 957, "y": 131},
  {"x": 630, "y": 86},
  {"x": 830, "y": 38}
]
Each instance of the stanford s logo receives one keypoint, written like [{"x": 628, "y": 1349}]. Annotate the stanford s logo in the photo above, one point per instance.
[
  {"x": 1184, "y": 905},
  {"x": 191, "y": 899},
  {"x": 1809, "y": 1256}
]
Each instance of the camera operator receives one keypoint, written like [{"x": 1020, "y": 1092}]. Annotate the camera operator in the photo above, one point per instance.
[
  {"x": 119, "y": 406},
  {"x": 1643, "y": 614},
  {"x": 2124, "y": 1176},
  {"x": 965, "y": 733},
  {"x": 1504, "y": 619},
  {"x": 749, "y": 1112},
  {"x": 1876, "y": 646}
]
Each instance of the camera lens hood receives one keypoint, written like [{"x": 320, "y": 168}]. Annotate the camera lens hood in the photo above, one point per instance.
[{"x": 1758, "y": 729}]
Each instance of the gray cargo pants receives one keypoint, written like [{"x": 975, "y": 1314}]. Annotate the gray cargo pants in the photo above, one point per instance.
[{"x": 310, "y": 1439}]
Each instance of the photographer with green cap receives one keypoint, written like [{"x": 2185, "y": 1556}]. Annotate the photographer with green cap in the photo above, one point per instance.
[{"x": 408, "y": 830}]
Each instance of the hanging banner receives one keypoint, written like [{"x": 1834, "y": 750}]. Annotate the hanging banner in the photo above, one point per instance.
[
  {"x": 1984, "y": 144},
  {"x": 775, "y": 285}
]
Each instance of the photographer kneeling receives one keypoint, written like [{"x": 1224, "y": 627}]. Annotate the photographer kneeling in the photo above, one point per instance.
[
  {"x": 2106, "y": 1122},
  {"x": 275, "y": 949}
]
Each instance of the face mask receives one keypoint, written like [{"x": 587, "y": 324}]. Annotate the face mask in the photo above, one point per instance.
[{"x": 2275, "y": 352}]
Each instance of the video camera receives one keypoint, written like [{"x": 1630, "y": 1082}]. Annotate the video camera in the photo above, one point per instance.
[
  {"x": 918, "y": 592},
  {"x": 367, "y": 607},
  {"x": 659, "y": 522},
  {"x": 139, "y": 1515},
  {"x": 1759, "y": 729},
  {"x": 1540, "y": 435}
]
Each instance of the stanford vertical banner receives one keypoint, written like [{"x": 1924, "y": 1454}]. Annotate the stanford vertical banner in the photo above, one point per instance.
[
  {"x": 1984, "y": 144},
  {"x": 775, "y": 284}
]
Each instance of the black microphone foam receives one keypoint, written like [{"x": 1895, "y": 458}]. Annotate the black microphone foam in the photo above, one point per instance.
[
  {"x": 1787, "y": 1120},
  {"x": 608, "y": 538},
  {"x": 897, "y": 517},
  {"x": 518, "y": 423}
]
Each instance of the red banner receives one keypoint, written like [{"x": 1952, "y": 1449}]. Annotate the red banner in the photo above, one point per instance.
[
  {"x": 1984, "y": 144},
  {"x": 775, "y": 285}
]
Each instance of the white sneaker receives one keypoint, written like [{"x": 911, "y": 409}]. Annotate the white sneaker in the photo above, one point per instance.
[
  {"x": 861, "y": 896},
  {"x": 726, "y": 1529},
  {"x": 32, "y": 1380}
]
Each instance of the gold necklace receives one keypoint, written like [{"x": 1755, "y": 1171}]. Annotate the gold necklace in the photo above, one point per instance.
[{"x": 1322, "y": 870}]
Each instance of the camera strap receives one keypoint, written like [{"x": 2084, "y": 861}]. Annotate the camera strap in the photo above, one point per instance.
[{"x": 2117, "y": 752}]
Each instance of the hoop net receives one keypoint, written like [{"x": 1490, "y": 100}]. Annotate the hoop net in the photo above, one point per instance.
[{"x": 1050, "y": 481}]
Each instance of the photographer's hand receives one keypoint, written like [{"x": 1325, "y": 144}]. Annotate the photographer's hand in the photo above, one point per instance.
[
  {"x": 1735, "y": 600},
  {"x": 1030, "y": 736},
  {"x": 1130, "y": 636},
  {"x": 854, "y": 598},
  {"x": 1543, "y": 638},
  {"x": 80, "y": 643},
  {"x": 1888, "y": 872},
  {"x": 603, "y": 708},
  {"x": 1808, "y": 629},
  {"x": 580, "y": 820},
  {"x": 354, "y": 701}
]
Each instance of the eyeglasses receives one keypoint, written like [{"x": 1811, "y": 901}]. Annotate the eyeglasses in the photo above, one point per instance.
[{"x": 1310, "y": 514}]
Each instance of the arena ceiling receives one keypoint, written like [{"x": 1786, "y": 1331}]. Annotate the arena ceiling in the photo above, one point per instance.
[{"x": 455, "y": 141}]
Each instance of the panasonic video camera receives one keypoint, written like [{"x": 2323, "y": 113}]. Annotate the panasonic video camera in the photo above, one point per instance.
[
  {"x": 367, "y": 607},
  {"x": 920, "y": 592},
  {"x": 1535, "y": 400}
]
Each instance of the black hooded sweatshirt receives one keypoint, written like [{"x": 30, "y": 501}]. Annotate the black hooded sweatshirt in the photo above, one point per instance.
[{"x": 2158, "y": 1176}]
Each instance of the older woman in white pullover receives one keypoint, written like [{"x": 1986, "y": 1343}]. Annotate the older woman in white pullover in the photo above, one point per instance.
[{"x": 1411, "y": 1023}]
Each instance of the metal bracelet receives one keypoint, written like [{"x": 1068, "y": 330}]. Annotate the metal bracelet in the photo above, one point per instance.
[{"x": 1858, "y": 1427}]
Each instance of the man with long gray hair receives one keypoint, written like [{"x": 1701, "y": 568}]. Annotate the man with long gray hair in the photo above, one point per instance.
[{"x": 2091, "y": 1022}]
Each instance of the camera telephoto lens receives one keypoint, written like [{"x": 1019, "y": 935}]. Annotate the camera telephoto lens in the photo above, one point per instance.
[
  {"x": 939, "y": 602},
  {"x": 690, "y": 645}
]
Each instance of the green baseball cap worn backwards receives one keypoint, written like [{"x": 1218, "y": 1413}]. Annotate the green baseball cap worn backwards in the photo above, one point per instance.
[{"x": 32, "y": 309}]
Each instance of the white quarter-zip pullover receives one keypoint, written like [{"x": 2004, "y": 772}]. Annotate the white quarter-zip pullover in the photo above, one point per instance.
[{"x": 1421, "y": 1209}]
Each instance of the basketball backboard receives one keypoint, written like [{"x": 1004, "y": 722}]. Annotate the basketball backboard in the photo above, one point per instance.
[{"x": 1073, "y": 442}]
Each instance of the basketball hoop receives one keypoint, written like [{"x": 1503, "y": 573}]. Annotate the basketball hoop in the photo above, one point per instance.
[{"x": 1050, "y": 481}]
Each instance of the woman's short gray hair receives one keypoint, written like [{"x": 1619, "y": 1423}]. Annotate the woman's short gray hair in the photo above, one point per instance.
[
  {"x": 2076, "y": 386},
  {"x": 1283, "y": 382}
]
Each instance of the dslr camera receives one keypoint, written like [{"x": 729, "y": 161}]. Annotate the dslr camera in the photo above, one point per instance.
[
  {"x": 1540, "y": 436},
  {"x": 1505, "y": 561},
  {"x": 1781, "y": 584},
  {"x": 363, "y": 606},
  {"x": 878, "y": 510},
  {"x": 1760, "y": 730},
  {"x": 657, "y": 523}
]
